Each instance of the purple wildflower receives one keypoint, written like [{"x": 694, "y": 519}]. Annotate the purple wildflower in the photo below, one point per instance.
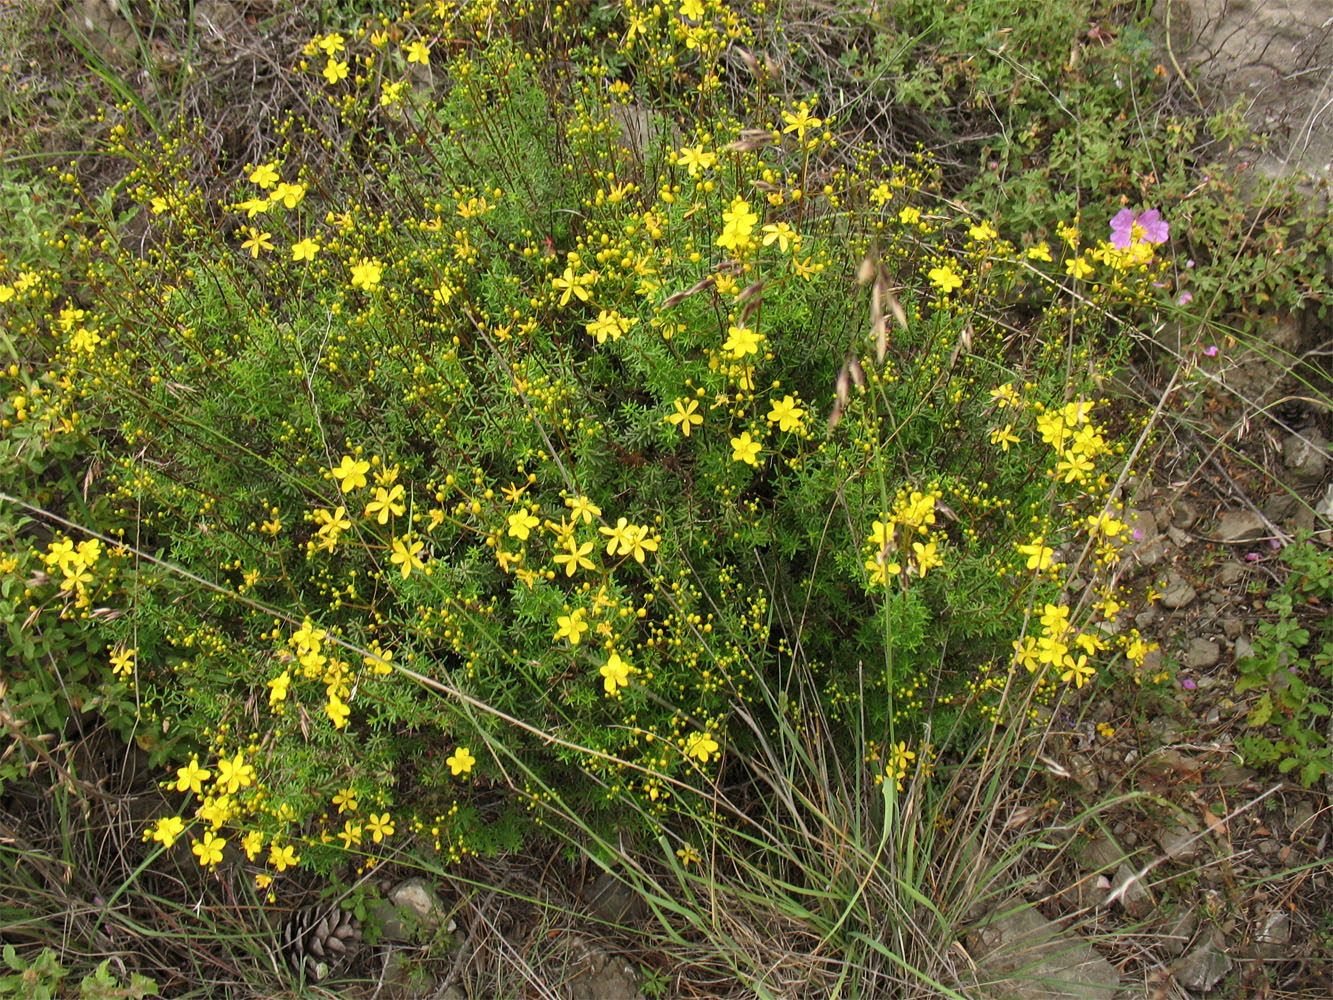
[
  {"x": 1185, "y": 298},
  {"x": 1128, "y": 228},
  {"x": 1211, "y": 350},
  {"x": 1188, "y": 684},
  {"x": 1122, "y": 229},
  {"x": 1155, "y": 228}
]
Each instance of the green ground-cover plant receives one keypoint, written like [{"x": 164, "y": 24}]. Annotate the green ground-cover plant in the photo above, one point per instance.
[
  {"x": 41, "y": 979},
  {"x": 1045, "y": 112},
  {"x": 477, "y": 449},
  {"x": 1292, "y": 669}
]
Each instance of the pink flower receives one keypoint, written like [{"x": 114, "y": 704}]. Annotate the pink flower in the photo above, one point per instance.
[
  {"x": 1188, "y": 684},
  {"x": 1128, "y": 228},
  {"x": 1211, "y": 350},
  {"x": 1184, "y": 298}
]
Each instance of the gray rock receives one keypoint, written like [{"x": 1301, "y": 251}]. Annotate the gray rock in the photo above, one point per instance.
[
  {"x": 1232, "y": 775},
  {"x": 1147, "y": 547},
  {"x": 1256, "y": 55},
  {"x": 1102, "y": 853},
  {"x": 1178, "y": 593},
  {"x": 1178, "y": 537},
  {"x": 597, "y": 975},
  {"x": 1306, "y": 456},
  {"x": 1184, "y": 514},
  {"x": 1232, "y": 627},
  {"x": 1179, "y": 841},
  {"x": 1178, "y": 931},
  {"x": 611, "y": 899},
  {"x": 1240, "y": 526},
  {"x": 1201, "y": 654},
  {"x": 392, "y": 927},
  {"x": 1203, "y": 968},
  {"x": 1133, "y": 895},
  {"x": 1021, "y": 956},
  {"x": 1163, "y": 730},
  {"x": 1275, "y": 934},
  {"x": 1242, "y": 649},
  {"x": 411, "y": 903},
  {"x": 1145, "y": 618},
  {"x": 1231, "y": 573}
]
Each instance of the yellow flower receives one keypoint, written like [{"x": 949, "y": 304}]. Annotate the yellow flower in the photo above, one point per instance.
[
  {"x": 235, "y": 774},
  {"x": 1041, "y": 251},
  {"x": 367, "y": 274},
  {"x": 282, "y": 858},
  {"x": 944, "y": 279},
  {"x": 782, "y": 234},
  {"x": 209, "y": 849},
  {"x": 1025, "y": 653},
  {"x": 745, "y": 449},
  {"x": 573, "y": 285},
  {"x": 379, "y": 662},
  {"x": 574, "y": 557},
  {"x": 350, "y": 834},
  {"x": 345, "y": 800},
  {"x": 1077, "y": 268},
  {"x": 386, "y": 502},
  {"x": 521, "y": 525},
  {"x": 685, "y": 419},
  {"x": 334, "y": 70},
  {"x": 217, "y": 811},
  {"x": 621, "y": 536},
  {"x": 460, "y": 762},
  {"x": 331, "y": 43},
  {"x": 571, "y": 626},
  {"x": 190, "y": 777},
  {"x": 418, "y": 52},
  {"x": 265, "y": 175},
  {"x": 926, "y": 558},
  {"x": 688, "y": 855},
  {"x": 1004, "y": 436},
  {"x": 257, "y": 241},
  {"x": 609, "y": 325},
  {"x": 405, "y": 555},
  {"x": 693, "y": 9},
  {"x": 278, "y": 688},
  {"x": 800, "y": 121},
  {"x": 122, "y": 662},
  {"x": 1039, "y": 555},
  {"x": 583, "y": 508},
  {"x": 701, "y": 746},
  {"x": 742, "y": 341},
  {"x": 380, "y": 826},
  {"x": 640, "y": 542},
  {"x": 337, "y": 711},
  {"x": 168, "y": 829},
  {"x": 695, "y": 159},
  {"x": 737, "y": 224},
  {"x": 1079, "y": 671},
  {"x": 615, "y": 673},
  {"x": 305, "y": 250},
  {"x": 289, "y": 195},
  {"x": 982, "y": 232},
  {"x": 786, "y": 414},
  {"x": 909, "y": 216},
  {"x": 351, "y": 474}
]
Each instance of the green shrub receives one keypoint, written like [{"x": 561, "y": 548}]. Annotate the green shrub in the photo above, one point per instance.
[
  {"x": 1293, "y": 677},
  {"x": 503, "y": 445}
]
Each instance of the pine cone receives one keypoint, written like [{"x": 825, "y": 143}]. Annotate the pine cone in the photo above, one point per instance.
[{"x": 318, "y": 939}]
